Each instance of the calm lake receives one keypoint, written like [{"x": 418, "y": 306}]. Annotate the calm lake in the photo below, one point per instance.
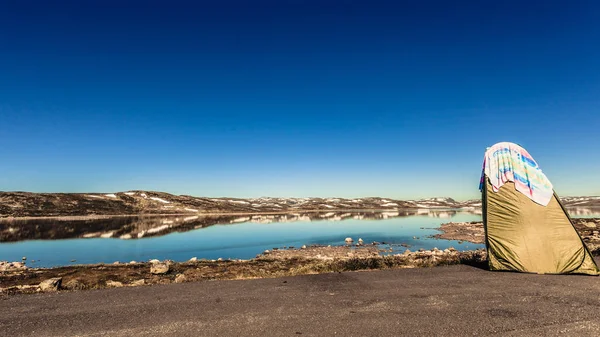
[{"x": 49, "y": 242}]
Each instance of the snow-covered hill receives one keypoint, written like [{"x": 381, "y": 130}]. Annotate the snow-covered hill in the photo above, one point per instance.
[{"x": 24, "y": 204}]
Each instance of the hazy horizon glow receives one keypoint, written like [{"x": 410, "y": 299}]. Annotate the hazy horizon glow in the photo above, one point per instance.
[{"x": 295, "y": 99}]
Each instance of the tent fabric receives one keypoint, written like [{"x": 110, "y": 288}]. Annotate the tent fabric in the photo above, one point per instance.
[
  {"x": 527, "y": 237},
  {"x": 505, "y": 162}
]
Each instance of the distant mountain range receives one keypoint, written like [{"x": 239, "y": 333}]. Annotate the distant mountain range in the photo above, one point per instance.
[{"x": 25, "y": 204}]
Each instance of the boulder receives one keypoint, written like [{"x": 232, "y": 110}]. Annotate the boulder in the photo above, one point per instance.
[
  {"x": 159, "y": 268},
  {"x": 360, "y": 241},
  {"x": 154, "y": 261},
  {"x": 303, "y": 247},
  {"x": 193, "y": 259},
  {"x": 74, "y": 284},
  {"x": 348, "y": 240},
  {"x": 180, "y": 278},
  {"x": 52, "y": 284},
  {"x": 12, "y": 266}
]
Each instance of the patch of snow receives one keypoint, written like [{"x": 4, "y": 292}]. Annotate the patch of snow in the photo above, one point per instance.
[
  {"x": 106, "y": 235},
  {"x": 167, "y": 221},
  {"x": 190, "y": 218},
  {"x": 160, "y": 200},
  {"x": 94, "y": 196},
  {"x": 239, "y": 202},
  {"x": 191, "y": 210},
  {"x": 111, "y": 195},
  {"x": 144, "y": 195},
  {"x": 390, "y": 204},
  {"x": 328, "y": 206},
  {"x": 130, "y": 193}
]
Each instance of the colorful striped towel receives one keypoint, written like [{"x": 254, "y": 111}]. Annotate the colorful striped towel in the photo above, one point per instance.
[{"x": 509, "y": 162}]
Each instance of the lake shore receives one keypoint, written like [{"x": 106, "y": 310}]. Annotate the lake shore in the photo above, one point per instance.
[{"x": 18, "y": 279}]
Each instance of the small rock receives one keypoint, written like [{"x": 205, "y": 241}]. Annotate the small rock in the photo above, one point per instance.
[
  {"x": 193, "y": 259},
  {"x": 360, "y": 241},
  {"x": 52, "y": 284},
  {"x": 349, "y": 240},
  {"x": 266, "y": 252},
  {"x": 138, "y": 282},
  {"x": 159, "y": 268},
  {"x": 154, "y": 261},
  {"x": 180, "y": 278},
  {"x": 24, "y": 258},
  {"x": 114, "y": 284},
  {"x": 303, "y": 247},
  {"x": 73, "y": 260},
  {"x": 116, "y": 262},
  {"x": 220, "y": 259},
  {"x": 132, "y": 262}
]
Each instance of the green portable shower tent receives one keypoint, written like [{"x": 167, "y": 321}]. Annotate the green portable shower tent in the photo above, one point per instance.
[{"x": 527, "y": 229}]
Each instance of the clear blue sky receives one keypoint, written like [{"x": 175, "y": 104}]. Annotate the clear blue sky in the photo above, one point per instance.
[{"x": 295, "y": 98}]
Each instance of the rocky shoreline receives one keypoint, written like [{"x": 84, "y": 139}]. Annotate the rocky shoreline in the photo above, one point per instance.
[{"x": 16, "y": 278}]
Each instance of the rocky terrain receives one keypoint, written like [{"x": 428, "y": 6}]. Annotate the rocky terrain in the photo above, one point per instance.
[
  {"x": 16, "y": 278},
  {"x": 25, "y": 204}
]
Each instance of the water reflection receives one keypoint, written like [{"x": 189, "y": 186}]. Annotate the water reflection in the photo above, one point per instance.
[
  {"x": 584, "y": 212},
  {"x": 136, "y": 227}
]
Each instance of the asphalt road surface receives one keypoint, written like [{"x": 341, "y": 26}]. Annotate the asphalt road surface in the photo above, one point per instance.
[{"x": 446, "y": 301}]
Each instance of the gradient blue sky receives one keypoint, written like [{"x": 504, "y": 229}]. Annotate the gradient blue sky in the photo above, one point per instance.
[{"x": 295, "y": 98}]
